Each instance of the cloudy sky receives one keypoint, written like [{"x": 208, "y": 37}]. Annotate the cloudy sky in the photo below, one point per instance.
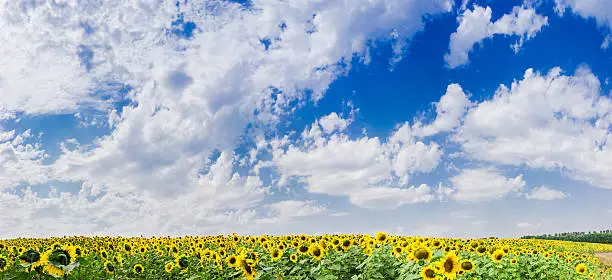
[{"x": 417, "y": 117}]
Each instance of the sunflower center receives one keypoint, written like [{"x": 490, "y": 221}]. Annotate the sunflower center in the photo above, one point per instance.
[
  {"x": 303, "y": 249},
  {"x": 448, "y": 266},
  {"x": 499, "y": 257},
  {"x": 421, "y": 254},
  {"x": 466, "y": 265},
  {"x": 430, "y": 273},
  {"x": 138, "y": 269},
  {"x": 110, "y": 267}
]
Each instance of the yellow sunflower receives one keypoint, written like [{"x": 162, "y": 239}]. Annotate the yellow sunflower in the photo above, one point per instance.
[
  {"x": 276, "y": 254},
  {"x": 138, "y": 268},
  {"x": 109, "y": 267},
  {"x": 497, "y": 255},
  {"x": 428, "y": 272},
  {"x": 450, "y": 266},
  {"x": 169, "y": 267},
  {"x": 316, "y": 251},
  {"x": 581, "y": 269},
  {"x": 4, "y": 263},
  {"x": 422, "y": 253}
]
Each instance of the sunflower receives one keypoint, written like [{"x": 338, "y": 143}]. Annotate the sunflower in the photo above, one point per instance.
[
  {"x": 127, "y": 248},
  {"x": 466, "y": 265},
  {"x": 316, "y": 251},
  {"x": 142, "y": 249},
  {"x": 293, "y": 257},
  {"x": 303, "y": 249},
  {"x": 181, "y": 261},
  {"x": 103, "y": 254},
  {"x": 57, "y": 258},
  {"x": 138, "y": 268},
  {"x": 247, "y": 270},
  {"x": 481, "y": 250},
  {"x": 497, "y": 255},
  {"x": 381, "y": 237},
  {"x": 428, "y": 272},
  {"x": 581, "y": 269},
  {"x": 422, "y": 253},
  {"x": 169, "y": 267},
  {"x": 109, "y": 267},
  {"x": 513, "y": 261},
  {"x": 231, "y": 260},
  {"x": 4, "y": 263},
  {"x": 346, "y": 244},
  {"x": 276, "y": 254},
  {"x": 450, "y": 266},
  {"x": 397, "y": 251}
]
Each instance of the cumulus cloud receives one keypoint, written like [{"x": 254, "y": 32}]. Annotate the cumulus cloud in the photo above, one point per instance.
[
  {"x": 223, "y": 200},
  {"x": 449, "y": 111},
  {"x": 484, "y": 184},
  {"x": 365, "y": 169},
  {"x": 545, "y": 193},
  {"x": 551, "y": 121},
  {"x": 188, "y": 98},
  {"x": 475, "y": 26},
  {"x": 21, "y": 160}
]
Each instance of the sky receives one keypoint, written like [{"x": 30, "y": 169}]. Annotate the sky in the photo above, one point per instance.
[{"x": 200, "y": 117}]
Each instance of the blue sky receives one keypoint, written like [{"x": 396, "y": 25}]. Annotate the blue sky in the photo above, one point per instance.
[{"x": 439, "y": 118}]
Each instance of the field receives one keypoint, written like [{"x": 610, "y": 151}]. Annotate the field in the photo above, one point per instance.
[{"x": 326, "y": 257}]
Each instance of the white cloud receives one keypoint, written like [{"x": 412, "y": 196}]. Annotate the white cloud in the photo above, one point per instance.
[
  {"x": 523, "y": 225},
  {"x": 222, "y": 201},
  {"x": 548, "y": 121},
  {"x": 339, "y": 214},
  {"x": 545, "y": 193},
  {"x": 177, "y": 124},
  {"x": 191, "y": 96},
  {"x": 288, "y": 210},
  {"x": 333, "y": 122},
  {"x": 484, "y": 184},
  {"x": 20, "y": 161},
  {"x": 475, "y": 25},
  {"x": 390, "y": 198},
  {"x": 449, "y": 111},
  {"x": 364, "y": 169}
]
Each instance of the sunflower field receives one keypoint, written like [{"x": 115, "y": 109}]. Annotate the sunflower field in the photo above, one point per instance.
[{"x": 299, "y": 257}]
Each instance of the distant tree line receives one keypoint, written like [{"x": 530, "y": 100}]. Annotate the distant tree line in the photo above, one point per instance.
[{"x": 602, "y": 236}]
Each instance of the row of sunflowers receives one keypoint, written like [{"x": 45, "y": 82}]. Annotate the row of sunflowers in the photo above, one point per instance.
[{"x": 299, "y": 257}]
